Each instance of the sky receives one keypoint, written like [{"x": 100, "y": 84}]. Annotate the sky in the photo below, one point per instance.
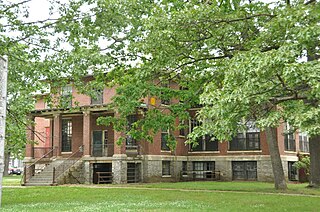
[{"x": 38, "y": 10}]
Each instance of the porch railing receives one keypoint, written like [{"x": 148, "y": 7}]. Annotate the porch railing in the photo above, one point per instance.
[
  {"x": 41, "y": 151},
  {"x": 201, "y": 175},
  {"x": 66, "y": 164},
  {"x": 104, "y": 177},
  {"x": 32, "y": 169},
  {"x": 107, "y": 150}
]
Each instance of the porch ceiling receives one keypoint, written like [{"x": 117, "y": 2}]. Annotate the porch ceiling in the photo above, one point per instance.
[{"x": 50, "y": 112}]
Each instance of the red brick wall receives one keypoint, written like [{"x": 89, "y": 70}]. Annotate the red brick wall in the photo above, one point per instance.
[
  {"x": 77, "y": 132},
  {"x": 40, "y": 104},
  {"x": 108, "y": 93},
  {"x": 40, "y": 129},
  {"x": 79, "y": 99},
  {"x": 263, "y": 144},
  {"x": 146, "y": 147}
]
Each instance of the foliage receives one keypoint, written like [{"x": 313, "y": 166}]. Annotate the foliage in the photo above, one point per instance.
[
  {"x": 303, "y": 163},
  {"x": 240, "y": 58},
  {"x": 28, "y": 46}
]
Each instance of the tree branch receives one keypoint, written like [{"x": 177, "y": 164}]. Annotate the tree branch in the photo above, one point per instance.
[
  {"x": 238, "y": 19},
  {"x": 36, "y": 133},
  {"x": 15, "y": 5},
  {"x": 277, "y": 100},
  {"x": 309, "y": 2}
]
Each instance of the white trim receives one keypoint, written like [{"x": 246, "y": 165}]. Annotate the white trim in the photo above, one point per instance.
[
  {"x": 66, "y": 153},
  {"x": 287, "y": 151},
  {"x": 246, "y": 151},
  {"x": 207, "y": 152}
]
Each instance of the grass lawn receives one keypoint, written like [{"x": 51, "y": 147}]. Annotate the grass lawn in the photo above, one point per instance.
[
  {"x": 261, "y": 187},
  {"x": 125, "y": 199},
  {"x": 12, "y": 180},
  {"x": 191, "y": 196}
]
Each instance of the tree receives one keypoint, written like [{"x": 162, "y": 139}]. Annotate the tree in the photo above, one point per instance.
[
  {"x": 20, "y": 41},
  {"x": 240, "y": 57}
]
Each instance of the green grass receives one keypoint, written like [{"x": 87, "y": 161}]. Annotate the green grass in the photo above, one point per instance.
[
  {"x": 12, "y": 180},
  {"x": 191, "y": 196},
  {"x": 126, "y": 199},
  {"x": 261, "y": 187}
]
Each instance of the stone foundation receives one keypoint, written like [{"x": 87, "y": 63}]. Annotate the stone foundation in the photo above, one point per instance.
[
  {"x": 119, "y": 168},
  {"x": 151, "y": 167}
]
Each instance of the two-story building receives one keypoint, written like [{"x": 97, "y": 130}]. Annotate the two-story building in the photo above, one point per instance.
[{"x": 71, "y": 148}]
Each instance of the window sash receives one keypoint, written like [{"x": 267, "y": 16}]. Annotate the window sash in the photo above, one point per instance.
[
  {"x": 289, "y": 139},
  {"x": 66, "y": 135},
  {"x": 204, "y": 142},
  {"x": 98, "y": 98},
  {"x": 164, "y": 139},
  {"x": 303, "y": 143},
  {"x": 292, "y": 171},
  {"x": 245, "y": 141},
  {"x": 244, "y": 170},
  {"x": 166, "y": 168},
  {"x": 66, "y": 96},
  {"x": 130, "y": 141}
]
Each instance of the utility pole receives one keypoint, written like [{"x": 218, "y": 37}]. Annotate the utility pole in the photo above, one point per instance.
[{"x": 3, "y": 106}]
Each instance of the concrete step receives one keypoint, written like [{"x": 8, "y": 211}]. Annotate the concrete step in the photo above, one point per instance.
[
  {"x": 39, "y": 184},
  {"x": 41, "y": 179},
  {"x": 45, "y": 172},
  {"x": 45, "y": 177}
]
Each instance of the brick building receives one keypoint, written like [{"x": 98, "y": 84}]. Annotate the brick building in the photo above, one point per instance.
[{"x": 72, "y": 148}]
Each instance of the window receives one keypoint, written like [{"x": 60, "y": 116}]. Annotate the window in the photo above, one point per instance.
[
  {"x": 183, "y": 92},
  {"x": 182, "y": 130},
  {"x": 292, "y": 171},
  {"x": 206, "y": 142},
  {"x": 66, "y": 96},
  {"x": 66, "y": 135},
  {"x": 246, "y": 140},
  {"x": 203, "y": 169},
  {"x": 99, "y": 143},
  {"x": 164, "y": 99},
  {"x": 244, "y": 170},
  {"x": 97, "y": 98},
  {"x": 166, "y": 168},
  {"x": 303, "y": 142},
  {"x": 130, "y": 141},
  {"x": 133, "y": 173},
  {"x": 184, "y": 168},
  {"x": 164, "y": 140},
  {"x": 289, "y": 138}
]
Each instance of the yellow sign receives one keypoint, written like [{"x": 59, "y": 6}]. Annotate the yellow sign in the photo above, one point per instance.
[{"x": 153, "y": 101}]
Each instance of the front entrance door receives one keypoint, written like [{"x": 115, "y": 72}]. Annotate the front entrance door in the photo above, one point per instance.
[{"x": 99, "y": 143}]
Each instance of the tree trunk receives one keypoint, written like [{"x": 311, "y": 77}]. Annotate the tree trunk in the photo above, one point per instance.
[
  {"x": 314, "y": 146},
  {"x": 279, "y": 179},
  {"x": 6, "y": 163}
]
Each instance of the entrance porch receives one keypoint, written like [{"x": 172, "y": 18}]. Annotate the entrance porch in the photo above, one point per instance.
[{"x": 75, "y": 132}]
